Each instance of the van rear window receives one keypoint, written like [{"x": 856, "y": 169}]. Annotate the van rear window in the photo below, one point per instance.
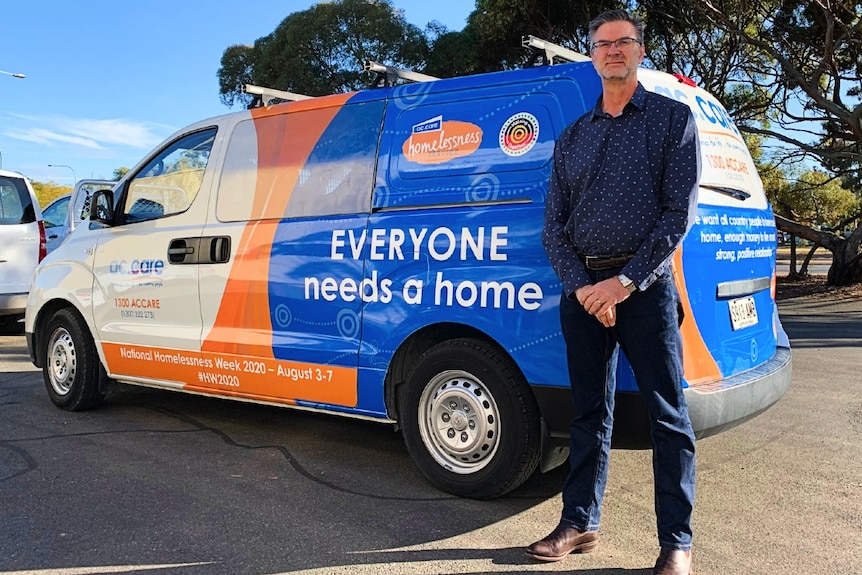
[{"x": 15, "y": 204}]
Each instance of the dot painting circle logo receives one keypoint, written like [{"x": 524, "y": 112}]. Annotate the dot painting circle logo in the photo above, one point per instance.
[{"x": 519, "y": 134}]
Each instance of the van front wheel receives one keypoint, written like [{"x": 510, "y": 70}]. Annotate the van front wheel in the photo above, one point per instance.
[
  {"x": 71, "y": 367},
  {"x": 469, "y": 420}
]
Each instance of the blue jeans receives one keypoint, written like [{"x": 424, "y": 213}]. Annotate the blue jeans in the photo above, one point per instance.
[{"x": 647, "y": 330}]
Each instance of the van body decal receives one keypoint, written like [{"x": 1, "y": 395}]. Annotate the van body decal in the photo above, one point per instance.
[
  {"x": 435, "y": 141},
  {"x": 283, "y": 147},
  {"x": 249, "y": 377},
  {"x": 698, "y": 364},
  {"x": 519, "y": 134}
]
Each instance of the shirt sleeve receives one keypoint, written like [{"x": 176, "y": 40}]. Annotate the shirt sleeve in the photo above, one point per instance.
[
  {"x": 678, "y": 199},
  {"x": 558, "y": 245}
]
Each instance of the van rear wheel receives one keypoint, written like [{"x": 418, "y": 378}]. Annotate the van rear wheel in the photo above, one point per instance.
[
  {"x": 71, "y": 367},
  {"x": 469, "y": 420}
]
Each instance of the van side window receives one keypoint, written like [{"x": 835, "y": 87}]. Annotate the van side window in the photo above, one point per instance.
[
  {"x": 169, "y": 183},
  {"x": 302, "y": 163}
]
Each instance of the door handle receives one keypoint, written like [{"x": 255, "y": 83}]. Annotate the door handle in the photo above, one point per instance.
[
  {"x": 206, "y": 250},
  {"x": 219, "y": 249},
  {"x": 182, "y": 250}
]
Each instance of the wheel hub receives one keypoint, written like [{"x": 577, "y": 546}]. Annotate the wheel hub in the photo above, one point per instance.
[
  {"x": 62, "y": 363},
  {"x": 459, "y": 422}
]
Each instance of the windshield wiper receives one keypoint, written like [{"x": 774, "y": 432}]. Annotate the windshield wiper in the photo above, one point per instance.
[{"x": 741, "y": 195}]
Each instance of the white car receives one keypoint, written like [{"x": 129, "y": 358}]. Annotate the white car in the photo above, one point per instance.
[
  {"x": 64, "y": 213},
  {"x": 22, "y": 247},
  {"x": 56, "y": 219}
]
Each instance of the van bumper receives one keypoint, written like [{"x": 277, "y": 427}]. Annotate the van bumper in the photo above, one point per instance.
[
  {"x": 712, "y": 407},
  {"x": 13, "y": 303},
  {"x": 729, "y": 402}
]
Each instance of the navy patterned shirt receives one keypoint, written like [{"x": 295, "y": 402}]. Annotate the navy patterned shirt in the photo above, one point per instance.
[{"x": 623, "y": 185}]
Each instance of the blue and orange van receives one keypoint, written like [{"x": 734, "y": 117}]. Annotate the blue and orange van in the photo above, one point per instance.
[{"x": 377, "y": 255}]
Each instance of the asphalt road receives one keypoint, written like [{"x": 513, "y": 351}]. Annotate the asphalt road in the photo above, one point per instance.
[{"x": 156, "y": 482}]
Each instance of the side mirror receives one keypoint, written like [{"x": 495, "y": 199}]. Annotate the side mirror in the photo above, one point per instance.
[{"x": 102, "y": 207}]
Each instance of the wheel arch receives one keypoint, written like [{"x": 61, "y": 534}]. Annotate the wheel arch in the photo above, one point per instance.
[
  {"x": 419, "y": 342},
  {"x": 46, "y": 312}
]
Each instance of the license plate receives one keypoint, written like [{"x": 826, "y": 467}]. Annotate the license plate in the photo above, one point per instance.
[{"x": 743, "y": 312}]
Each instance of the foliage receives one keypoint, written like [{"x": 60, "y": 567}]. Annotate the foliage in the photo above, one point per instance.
[
  {"x": 499, "y": 26},
  {"x": 812, "y": 62},
  {"x": 817, "y": 199},
  {"x": 322, "y": 50},
  {"x": 120, "y": 172},
  {"x": 47, "y": 192}
]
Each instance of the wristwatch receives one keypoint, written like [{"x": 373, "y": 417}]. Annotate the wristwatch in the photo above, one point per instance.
[{"x": 627, "y": 283}]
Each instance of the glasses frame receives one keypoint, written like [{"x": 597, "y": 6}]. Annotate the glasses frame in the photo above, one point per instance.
[{"x": 606, "y": 44}]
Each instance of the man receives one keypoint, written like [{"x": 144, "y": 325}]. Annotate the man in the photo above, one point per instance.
[{"x": 621, "y": 197}]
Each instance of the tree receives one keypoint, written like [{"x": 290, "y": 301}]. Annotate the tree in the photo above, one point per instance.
[
  {"x": 120, "y": 172},
  {"x": 820, "y": 203},
  {"x": 47, "y": 192},
  {"x": 322, "y": 50},
  {"x": 499, "y": 26},
  {"x": 811, "y": 58}
]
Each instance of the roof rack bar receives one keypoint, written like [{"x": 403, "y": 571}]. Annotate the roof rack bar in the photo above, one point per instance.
[
  {"x": 387, "y": 75},
  {"x": 264, "y": 96},
  {"x": 552, "y": 50}
]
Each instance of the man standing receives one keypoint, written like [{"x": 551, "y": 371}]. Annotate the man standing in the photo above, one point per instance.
[{"x": 621, "y": 198}]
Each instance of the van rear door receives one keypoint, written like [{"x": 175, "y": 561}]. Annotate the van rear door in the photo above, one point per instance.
[{"x": 726, "y": 265}]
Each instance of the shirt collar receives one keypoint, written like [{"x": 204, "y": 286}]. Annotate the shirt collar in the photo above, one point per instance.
[{"x": 638, "y": 99}]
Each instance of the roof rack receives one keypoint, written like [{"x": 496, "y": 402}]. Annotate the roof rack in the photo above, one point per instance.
[
  {"x": 544, "y": 52},
  {"x": 264, "y": 96},
  {"x": 387, "y": 75}
]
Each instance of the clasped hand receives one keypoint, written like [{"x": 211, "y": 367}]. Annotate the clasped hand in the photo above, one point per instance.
[{"x": 601, "y": 299}]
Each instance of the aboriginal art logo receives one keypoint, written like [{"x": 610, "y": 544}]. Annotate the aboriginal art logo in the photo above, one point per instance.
[
  {"x": 519, "y": 134},
  {"x": 435, "y": 141}
]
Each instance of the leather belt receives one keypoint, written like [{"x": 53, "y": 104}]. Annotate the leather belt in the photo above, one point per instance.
[{"x": 605, "y": 262}]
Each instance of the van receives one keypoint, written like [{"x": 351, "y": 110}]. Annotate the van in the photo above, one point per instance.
[
  {"x": 22, "y": 246},
  {"x": 61, "y": 218},
  {"x": 377, "y": 255}
]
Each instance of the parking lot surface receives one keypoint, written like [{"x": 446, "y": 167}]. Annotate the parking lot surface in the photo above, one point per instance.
[{"x": 155, "y": 482}]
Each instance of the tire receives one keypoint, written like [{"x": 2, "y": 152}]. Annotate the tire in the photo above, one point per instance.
[
  {"x": 469, "y": 420},
  {"x": 71, "y": 367}
]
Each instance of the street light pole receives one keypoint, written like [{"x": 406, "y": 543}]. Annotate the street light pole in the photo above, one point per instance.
[
  {"x": 14, "y": 76},
  {"x": 74, "y": 177}
]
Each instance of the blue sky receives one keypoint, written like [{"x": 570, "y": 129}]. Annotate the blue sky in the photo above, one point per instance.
[{"x": 106, "y": 81}]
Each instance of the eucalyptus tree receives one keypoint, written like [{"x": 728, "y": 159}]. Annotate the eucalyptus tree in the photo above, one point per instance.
[{"x": 322, "y": 50}]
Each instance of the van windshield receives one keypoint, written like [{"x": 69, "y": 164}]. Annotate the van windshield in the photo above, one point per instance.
[{"x": 15, "y": 204}]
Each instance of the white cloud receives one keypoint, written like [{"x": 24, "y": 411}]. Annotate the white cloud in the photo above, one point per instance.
[
  {"x": 88, "y": 133},
  {"x": 42, "y": 136}
]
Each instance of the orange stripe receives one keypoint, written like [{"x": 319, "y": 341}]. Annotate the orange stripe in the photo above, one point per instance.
[
  {"x": 698, "y": 364},
  {"x": 284, "y": 141},
  {"x": 239, "y": 376}
]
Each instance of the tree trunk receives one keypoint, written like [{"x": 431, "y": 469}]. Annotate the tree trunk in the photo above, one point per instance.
[
  {"x": 846, "y": 268},
  {"x": 791, "y": 270},
  {"x": 803, "y": 271}
]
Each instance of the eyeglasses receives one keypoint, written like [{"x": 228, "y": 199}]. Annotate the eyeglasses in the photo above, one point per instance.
[{"x": 619, "y": 43}]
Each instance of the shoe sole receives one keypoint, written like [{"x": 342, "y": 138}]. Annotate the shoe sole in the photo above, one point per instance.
[{"x": 588, "y": 547}]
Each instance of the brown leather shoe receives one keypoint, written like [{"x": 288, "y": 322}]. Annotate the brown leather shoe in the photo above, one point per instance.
[
  {"x": 673, "y": 562},
  {"x": 562, "y": 541}
]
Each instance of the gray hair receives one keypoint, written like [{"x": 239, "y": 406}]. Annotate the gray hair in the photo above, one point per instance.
[{"x": 617, "y": 16}]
